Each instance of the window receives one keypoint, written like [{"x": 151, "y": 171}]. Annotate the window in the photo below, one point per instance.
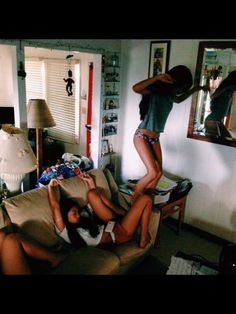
[{"x": 45, "y": 80}]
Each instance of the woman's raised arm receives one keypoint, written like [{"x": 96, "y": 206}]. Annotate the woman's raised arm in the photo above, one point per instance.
[
  {"x": 54, "y": 203},
  {"x": 142, "y": 87}
]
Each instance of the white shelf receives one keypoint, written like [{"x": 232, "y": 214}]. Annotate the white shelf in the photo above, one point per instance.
[{"x": 111, "y": 97}]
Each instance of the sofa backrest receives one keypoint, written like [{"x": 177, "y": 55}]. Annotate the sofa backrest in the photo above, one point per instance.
[
  {"x": 30, "y": 212},
  {"x": 76, "y": 188}
]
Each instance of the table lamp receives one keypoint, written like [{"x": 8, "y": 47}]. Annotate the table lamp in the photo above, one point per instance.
[
  {"x": 16, "y": 157},
  {"x": 39, "y": 117}
]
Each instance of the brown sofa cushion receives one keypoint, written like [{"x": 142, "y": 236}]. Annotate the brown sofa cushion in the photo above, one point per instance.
[
  {"x": 89, "y": 261},
  {"x": 30, "y": 212}
]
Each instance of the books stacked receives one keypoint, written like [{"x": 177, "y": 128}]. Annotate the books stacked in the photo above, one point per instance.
[
  {"x": 125, "y": 189},
  {"x": 163, "y": 190},
  {"x": 160, "y": 194},
  {"x": 165, "y": 184},
  {"x": 161, "y": 197}
]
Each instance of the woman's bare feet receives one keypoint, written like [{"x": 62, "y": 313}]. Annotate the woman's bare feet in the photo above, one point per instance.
[{"x": 144, "y": 242}]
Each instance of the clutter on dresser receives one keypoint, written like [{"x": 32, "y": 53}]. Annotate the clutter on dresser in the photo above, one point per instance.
[
  {"x": 68, "y": 166},
  {"x": 167, "y": 188}
]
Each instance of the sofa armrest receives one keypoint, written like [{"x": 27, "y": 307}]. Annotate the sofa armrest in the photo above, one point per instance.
[
  {"x": 123, "y": 200},
  {"x": 5, "y": 222},
  {"x": 111, "y": 181}
]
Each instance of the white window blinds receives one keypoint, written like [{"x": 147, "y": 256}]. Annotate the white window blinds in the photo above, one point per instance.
[
  {"x": 45, "y": 80},
  {"x": 34, "y": 80}
]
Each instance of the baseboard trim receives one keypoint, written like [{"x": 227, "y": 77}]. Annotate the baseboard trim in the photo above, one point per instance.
[{"x": 201, "y": 233}]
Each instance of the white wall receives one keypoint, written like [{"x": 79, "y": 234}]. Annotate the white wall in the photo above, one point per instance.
[
  {"x": 211, "y": 204},
  {"x": 8, "y": 79}
]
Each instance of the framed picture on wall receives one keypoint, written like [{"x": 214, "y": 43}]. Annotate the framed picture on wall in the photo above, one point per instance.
[
  {"x": 159, "y": 57},
  {"x": 105, "y": 147}
]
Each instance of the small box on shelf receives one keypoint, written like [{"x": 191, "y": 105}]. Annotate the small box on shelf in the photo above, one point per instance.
[
  {"x": 107, "y": 148},
  {"x": 111, "y": 89},
  {"x": 112, "y": 76},
  {"x": 109, "y": 129},
  {"x": 111, "y": 60},
  {"x": 111, "y": 103},
  {"x": 110, "y": 117}
]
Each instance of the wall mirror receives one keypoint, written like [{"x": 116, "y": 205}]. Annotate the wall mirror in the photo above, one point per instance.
[{"x": 215, "y": 61}]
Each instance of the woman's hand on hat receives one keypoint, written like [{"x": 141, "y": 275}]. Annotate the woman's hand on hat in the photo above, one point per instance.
[{"x": 166, "y": 78}]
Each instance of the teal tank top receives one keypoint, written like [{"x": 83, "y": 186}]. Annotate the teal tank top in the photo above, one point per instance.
[
  {"x": 158, "y": 112},
  {"x": 220, "y": 106}
]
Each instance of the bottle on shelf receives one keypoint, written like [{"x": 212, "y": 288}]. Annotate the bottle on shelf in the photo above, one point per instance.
[
  {"x": 110, "y": 148},
  {"x": 115, "y": 60}
]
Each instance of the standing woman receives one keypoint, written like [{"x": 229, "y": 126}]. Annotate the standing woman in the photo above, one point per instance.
[
  {"x": 158, "y": 95},
  {"x": 221, "y": 100}
]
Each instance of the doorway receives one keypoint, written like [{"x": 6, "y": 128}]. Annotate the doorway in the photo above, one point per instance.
[
  {"x": 86, "y": 100},
  {"x": 89, "y": 115}
]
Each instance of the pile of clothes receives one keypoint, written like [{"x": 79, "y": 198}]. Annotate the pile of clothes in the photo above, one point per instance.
[{"x": 70, "y": 165}]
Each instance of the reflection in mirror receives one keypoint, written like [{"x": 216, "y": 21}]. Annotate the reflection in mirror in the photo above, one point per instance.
[{"x": 213, "y": 113}]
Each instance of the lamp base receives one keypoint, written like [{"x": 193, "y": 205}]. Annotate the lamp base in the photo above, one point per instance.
[{"x": 13, "y": 182}]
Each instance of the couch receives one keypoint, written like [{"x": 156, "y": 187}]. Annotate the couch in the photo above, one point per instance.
[{"x": 30, "y": 214}]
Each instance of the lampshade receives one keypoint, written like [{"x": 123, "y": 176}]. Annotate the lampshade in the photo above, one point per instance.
[
  {"x": 16, "y": 157},
  {"x": 39, "y": 115}
]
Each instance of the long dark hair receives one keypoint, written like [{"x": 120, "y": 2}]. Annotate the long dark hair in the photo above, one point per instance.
[
  {"x": 89, "y": 223},
  {"x": 183, "y": 81},
  {"x": 228, "y": 81}
]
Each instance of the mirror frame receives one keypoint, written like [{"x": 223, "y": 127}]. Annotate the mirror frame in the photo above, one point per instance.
[{"x": 197, "y": 78}]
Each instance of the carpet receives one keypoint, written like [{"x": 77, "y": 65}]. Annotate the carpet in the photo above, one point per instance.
[{"x": 150, "y": 266}]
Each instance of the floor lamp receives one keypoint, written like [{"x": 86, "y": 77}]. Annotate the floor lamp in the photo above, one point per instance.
[
  {"x": 16, "y": 158},
  {"x": 39, "y": 117}
]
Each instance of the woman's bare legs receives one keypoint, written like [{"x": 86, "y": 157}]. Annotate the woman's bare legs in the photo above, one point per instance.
[
  {"x": 100, "y": 204},
  {"x": 156, "y": 149},
  {"x": 151, "y": 156},
  {"x": 139, "y": 212},
  {"x": 101, "y": 209},
  {"x": 144, "y": 224},
  {"x": 13, "y": 258},
  {"x": 15, "y": 248},
  {"x": 2, "y": 237}
]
